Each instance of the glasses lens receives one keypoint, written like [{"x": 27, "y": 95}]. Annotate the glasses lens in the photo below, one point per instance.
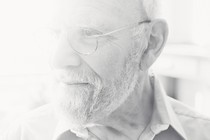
[{"x": 82, "y": 43}]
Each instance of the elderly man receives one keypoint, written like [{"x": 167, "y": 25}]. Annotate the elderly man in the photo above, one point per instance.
[{"x": 102, "y": 88}]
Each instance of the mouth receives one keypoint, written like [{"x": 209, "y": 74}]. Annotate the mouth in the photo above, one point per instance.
[{"x": 76, "y": 83}]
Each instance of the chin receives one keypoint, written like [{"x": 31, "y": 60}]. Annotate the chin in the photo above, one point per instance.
[
  {"x": 74, "y": 102},
  {"x": 80, "y": 106},
  {"x": 83, "y": 106}
]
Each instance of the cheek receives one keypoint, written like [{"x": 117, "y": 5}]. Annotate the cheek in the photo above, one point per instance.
[{"x": 107, "y": 62}]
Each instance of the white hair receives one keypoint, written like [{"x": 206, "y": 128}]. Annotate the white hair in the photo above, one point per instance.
[
  {"x": 136, "y": 9},
  {"x": 151, "y": 7}
]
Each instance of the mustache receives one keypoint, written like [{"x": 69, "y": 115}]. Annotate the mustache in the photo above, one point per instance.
[{"x": 72, "y": 76}]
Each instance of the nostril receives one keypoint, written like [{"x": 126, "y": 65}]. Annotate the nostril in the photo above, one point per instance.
[{"x": 65, "y": 60}]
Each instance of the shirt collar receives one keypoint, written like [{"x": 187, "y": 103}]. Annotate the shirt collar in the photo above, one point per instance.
[
  {"x": 63, "y": 128},
  {"x": 163, "y": 114}
]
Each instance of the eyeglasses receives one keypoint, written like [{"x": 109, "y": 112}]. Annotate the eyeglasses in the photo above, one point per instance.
[{"x": 86, "y": 41}]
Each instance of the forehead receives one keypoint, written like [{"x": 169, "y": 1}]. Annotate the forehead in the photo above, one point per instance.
[{"x": 115, "y": 12}]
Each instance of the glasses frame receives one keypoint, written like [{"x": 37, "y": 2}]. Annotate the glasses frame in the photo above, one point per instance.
[{"x": 109, "y": 33}]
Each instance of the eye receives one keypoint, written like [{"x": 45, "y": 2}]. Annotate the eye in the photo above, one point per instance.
[{"x": 87, "y": 32}]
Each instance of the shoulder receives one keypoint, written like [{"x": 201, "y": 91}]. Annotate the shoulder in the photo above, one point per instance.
[
  {"x": 196, "y": 125},
  {"x": 37, "y": 124}
]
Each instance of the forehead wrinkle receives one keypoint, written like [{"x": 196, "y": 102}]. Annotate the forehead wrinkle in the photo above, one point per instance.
[
  {"x": 125, "y": 10},
  {"x": 88, "y": 17}
]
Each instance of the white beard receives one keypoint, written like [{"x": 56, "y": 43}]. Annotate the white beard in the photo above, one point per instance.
[{"x": 82, "y": 106}]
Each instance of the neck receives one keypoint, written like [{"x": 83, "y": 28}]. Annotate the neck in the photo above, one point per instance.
[{"x": 133, "y": 116}]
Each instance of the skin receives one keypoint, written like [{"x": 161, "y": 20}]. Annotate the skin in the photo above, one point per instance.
[{"x": 108, "y": 64}]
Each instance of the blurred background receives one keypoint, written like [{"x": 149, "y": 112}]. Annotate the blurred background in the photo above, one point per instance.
[{"x": 183, "y": 67}]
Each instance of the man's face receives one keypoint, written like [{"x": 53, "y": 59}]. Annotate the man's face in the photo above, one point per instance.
[{"x": 90, "y": 87}]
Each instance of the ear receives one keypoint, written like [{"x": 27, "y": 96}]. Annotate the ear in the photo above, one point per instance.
[{"x": 157, "y": 36}]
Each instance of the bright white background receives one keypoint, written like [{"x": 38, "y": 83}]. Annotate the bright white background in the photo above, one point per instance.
[
  {"x": 24, "y": 63},
  {"x": 185, "y": 63}
]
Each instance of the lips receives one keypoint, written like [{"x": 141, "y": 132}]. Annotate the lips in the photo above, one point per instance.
[
  {"x": 75, "y": 83},
  {"x": 67, "y": 83},
  {"x": 74, "y": 80}
]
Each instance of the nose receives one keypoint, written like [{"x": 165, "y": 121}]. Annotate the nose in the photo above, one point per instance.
[{"x": 64, "y": 56}]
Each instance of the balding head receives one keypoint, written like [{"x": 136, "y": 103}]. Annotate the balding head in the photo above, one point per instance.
[{"x": 130, "y": 10}]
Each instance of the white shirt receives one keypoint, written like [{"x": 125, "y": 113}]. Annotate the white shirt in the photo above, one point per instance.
[{"x": 171, "y": 120}]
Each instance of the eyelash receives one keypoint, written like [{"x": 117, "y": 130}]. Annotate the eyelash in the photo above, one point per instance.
[
  {"x": 90, "y": 32},
  {"x": 96, "y": 32}
]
